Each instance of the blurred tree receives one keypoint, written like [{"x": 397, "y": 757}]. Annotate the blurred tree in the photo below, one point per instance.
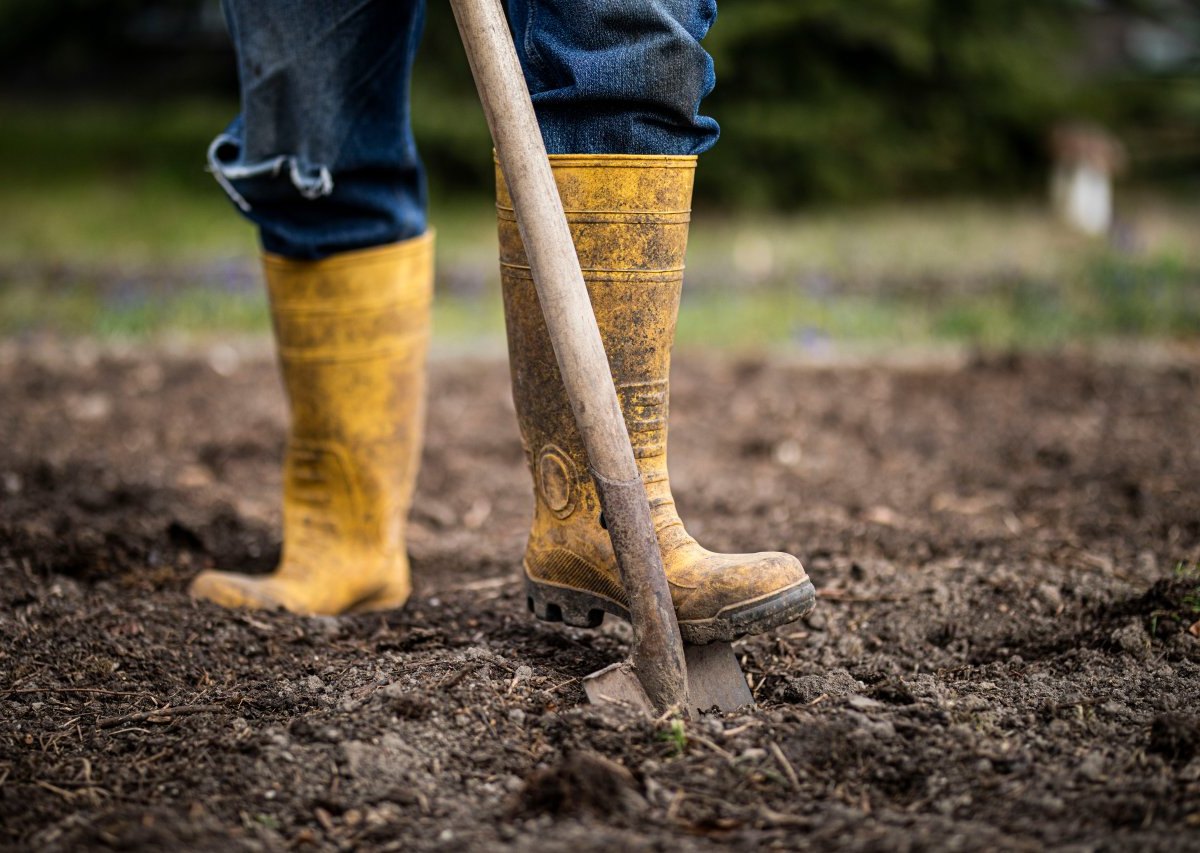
[
  {"x": 1139, "y": 73},
  {"x": 835, "y": 101},
  {"x": 120, "y": 48},
  {"x": 819, "y": 100}
]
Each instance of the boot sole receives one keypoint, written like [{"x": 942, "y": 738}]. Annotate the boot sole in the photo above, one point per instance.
[{"x": 580, "y": 609}]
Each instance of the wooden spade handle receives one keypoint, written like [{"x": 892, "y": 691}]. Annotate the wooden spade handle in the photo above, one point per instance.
[{"x": 657, "y": 647}]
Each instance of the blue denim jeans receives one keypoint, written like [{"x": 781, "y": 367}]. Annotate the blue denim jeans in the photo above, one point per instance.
[{"x": 322, "y": 157}]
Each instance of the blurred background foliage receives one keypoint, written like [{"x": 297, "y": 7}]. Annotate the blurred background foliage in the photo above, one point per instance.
[
  {"x": 881, "y": 177},
  {"x": 819, "y": 100}
]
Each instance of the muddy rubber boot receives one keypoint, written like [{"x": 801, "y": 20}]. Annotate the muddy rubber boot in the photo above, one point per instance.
[
  {"x": 629, "y": 218},
  {"x": 352, "y": 331}
]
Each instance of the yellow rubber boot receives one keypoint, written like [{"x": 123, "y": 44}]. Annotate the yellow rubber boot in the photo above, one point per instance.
[
  {"x": 629, "y": 218},
  {"x": 352, "y": 332}
]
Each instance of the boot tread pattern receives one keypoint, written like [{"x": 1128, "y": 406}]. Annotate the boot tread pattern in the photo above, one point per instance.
[
  {"x": 578, "y": 608},
  {"x": 570, "y": 570}
]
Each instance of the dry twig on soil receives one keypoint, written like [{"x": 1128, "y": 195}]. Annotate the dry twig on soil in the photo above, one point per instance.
[{"x": 158, "y": 715}]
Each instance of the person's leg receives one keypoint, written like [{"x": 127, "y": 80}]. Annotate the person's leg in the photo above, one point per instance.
[
  {"x": 620, "y": 91},
  {"x": 618, "y": 76},
  {"x": 322, "y": 159}
]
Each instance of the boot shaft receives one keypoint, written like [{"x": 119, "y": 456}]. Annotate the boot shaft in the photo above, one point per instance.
[
  {"x": 352, "y": 332},
  {"x": 629, "y": 219}
]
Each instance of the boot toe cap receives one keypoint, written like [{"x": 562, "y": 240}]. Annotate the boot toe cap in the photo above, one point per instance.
[
  {"x": 738, "y": 594},
  {"x": 230, "y": 589}
]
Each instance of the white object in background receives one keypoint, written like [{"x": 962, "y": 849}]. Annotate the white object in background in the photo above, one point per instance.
[
  {"x": 1085, "y": 160},
  {"x": 1083, "y": 195}
]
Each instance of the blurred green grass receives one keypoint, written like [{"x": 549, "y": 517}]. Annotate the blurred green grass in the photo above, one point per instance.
[{"x": 112, "y": 228}]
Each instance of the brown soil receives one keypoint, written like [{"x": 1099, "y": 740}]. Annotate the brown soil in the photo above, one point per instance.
[{"x": 1004, "y": 655}]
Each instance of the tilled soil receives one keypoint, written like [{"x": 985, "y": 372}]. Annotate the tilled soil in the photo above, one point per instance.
[{"x": 1005, "y": 654}]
